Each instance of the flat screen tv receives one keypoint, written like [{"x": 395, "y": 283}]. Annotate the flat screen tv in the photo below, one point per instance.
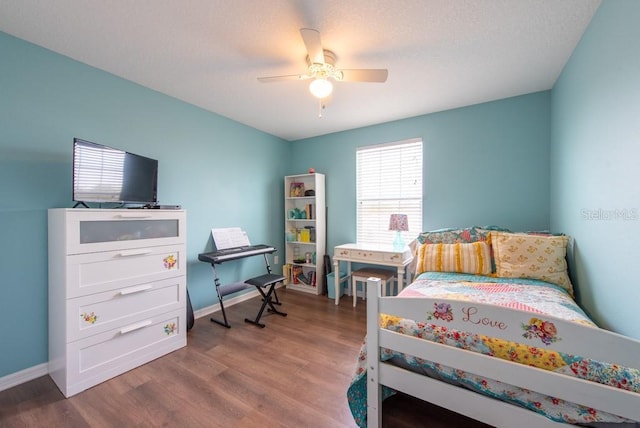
[{"x": 104, "y": 174}]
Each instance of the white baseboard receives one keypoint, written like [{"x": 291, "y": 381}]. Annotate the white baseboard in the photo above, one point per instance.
[{"x": 17, "y": 378}]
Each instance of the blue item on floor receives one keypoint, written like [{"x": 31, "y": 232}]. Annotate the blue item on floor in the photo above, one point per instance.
[{"x": 331, "y": 289}]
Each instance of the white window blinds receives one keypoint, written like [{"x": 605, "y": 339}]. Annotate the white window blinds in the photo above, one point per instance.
[{"x": 388, "y": 180}]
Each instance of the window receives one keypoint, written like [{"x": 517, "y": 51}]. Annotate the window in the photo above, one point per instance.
[{"x": 388, "y": 180}]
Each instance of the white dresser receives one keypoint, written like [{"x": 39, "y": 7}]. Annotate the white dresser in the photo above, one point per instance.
[{"x": 117, "y": 291}]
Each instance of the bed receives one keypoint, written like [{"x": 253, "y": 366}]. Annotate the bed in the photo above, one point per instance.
[{"x": 473, "y": 334}]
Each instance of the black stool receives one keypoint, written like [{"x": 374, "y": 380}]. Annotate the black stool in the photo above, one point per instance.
[{"x": 269, "y": 282}]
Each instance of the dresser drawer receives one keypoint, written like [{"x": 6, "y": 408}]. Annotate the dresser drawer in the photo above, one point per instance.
[
  {"x": 103, "y": 356},
  {"x": 110, "y": 270},
  {"x": 97, "y": 313},
  {"x": 104, "y": 230}
]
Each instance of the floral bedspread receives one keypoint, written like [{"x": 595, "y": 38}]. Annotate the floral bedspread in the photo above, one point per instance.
[{"x": 530, "y": 295}]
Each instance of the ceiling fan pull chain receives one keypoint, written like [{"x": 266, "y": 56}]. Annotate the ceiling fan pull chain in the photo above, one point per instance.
[{"x": 320, "y": 107}]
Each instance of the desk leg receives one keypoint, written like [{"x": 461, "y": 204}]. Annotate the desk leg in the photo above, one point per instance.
[
  {"x": 400, "y": 278},
  {"x": 336, "y": 279}
]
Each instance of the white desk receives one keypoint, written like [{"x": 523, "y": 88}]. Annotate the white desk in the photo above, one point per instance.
[{"x": 384, "y": 255}]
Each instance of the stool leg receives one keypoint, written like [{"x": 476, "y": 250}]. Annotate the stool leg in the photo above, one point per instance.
[{"x": 354, "y": 290}]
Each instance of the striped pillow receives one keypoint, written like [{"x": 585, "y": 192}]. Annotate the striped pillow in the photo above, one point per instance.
[{"x": 474, "y": 258}]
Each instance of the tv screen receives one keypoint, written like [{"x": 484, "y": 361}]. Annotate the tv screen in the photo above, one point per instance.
[{"x": 104, "y": 174}]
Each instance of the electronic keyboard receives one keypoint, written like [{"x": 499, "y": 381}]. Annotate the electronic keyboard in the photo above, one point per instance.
[{"x": 227, "y": 254}]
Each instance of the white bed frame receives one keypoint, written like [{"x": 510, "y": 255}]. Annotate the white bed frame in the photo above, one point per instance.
[{"x": 499, "y": 322}]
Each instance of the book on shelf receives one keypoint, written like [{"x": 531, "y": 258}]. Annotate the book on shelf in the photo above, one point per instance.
[
  {"x": 296, "y": 271},
  {"x": 307, "y": 279},
  {"x": 300, "y": 277},
  {"x": 286, "y": 272}
]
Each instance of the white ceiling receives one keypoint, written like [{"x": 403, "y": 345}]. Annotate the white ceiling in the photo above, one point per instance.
[{"x": 441, "y": 54}]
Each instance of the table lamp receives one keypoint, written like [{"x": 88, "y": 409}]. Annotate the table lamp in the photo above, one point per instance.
[{"x": 399, "y": 223}]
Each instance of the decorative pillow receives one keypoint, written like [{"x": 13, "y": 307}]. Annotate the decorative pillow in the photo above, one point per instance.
[
  {"x": 472, "y": 258},
  {"x": 414, "y": 246},
  {"x": 450, "y": 236},
  {"x": 483, "y": 231},
  {"x": 465, "y": 235},
  {"x": 483, "y": 235},
  {"x": 520, "y": 255}
]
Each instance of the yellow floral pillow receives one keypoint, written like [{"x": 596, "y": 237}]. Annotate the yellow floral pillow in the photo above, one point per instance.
[
  {"x": 472, "y": 258},
  {"x": 520, "y": 255}
]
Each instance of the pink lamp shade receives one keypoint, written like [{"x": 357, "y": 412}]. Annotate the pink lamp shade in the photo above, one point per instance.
[{"x": 398, "y": 222}]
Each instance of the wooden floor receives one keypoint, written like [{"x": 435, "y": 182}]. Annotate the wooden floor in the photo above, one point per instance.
[{"x": 293, "y": 373}]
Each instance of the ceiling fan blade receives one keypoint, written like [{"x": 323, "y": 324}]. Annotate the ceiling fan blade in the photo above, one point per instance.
[
  {"x": 365, "y": 75},
  {"x": 312, "y": 42},
  {"x": 284, "y": 78}
]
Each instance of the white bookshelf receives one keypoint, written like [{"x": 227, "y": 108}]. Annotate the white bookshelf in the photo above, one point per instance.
[{"x": 305, "y": 232}]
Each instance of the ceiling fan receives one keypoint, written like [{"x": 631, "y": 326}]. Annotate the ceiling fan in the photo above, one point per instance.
[{"x": 321, "y": 67}]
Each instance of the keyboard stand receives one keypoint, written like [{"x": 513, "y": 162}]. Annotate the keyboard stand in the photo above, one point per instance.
[
  {"x": 267, "y": 281},
  {"x": 269, "y": 298},
  {"x": 225, "y": 290}
]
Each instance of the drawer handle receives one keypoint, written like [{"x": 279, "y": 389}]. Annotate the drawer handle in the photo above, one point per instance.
[
  {"x": 136, "y": 326},
  {"x": 137, "y": 289},
  {"x": 133, "y": 216},
  {"x": 131, "y": 253}
]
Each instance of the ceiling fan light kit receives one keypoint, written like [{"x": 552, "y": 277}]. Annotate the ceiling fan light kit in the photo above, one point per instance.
[{"x": 321, "y": 88}]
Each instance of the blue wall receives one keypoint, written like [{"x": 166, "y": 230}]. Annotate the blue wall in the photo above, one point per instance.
[
  {"x": 595, "y": 158},
  {"x": 499, "y": 148},
  {"x": 47, "y": 99},
  {"x": 486, "y": 164}
]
